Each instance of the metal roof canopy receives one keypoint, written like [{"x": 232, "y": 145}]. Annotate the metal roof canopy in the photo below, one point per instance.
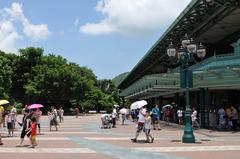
[
  {"x": 208, "y": 21},
  {"x": 213, "y": 73}
]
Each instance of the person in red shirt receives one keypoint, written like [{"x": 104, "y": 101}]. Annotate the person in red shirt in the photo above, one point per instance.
[{"x": 33, "y": 131}]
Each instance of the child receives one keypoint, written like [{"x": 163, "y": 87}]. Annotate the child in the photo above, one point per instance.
[
  {"x": 147, "y": 127},
  {"x": 9, "y": 124},
  {"x": 33, "y": 131}
]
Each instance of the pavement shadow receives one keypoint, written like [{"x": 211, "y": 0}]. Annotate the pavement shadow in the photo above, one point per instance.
[
  {"x": 197, "y": 142},
  {"x": 141, "y": 142}
]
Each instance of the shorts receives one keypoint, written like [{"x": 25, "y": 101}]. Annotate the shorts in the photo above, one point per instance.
[
  {"x": 10, "y": 125},
  {"x": 155, "y": 120},
  {"x": 147, "y": 131},
  {"x": 53, "y": 122},
  {"x": 24, "y": 133},
  {"x": 140, "y": 127}
]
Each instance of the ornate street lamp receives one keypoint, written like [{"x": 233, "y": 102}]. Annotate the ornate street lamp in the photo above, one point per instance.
[{"x": 186, "y": 54}]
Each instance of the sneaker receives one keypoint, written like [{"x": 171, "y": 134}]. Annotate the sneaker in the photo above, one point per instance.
[
  {"x": 134, "y": 140},
  {"x": 31, "y": 146}
]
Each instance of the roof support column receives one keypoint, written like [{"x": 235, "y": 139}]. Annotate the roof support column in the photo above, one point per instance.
[{"x": 204, "y": 103}]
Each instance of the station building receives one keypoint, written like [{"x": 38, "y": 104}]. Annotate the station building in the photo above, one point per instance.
[{"x": 215, "y": 79}]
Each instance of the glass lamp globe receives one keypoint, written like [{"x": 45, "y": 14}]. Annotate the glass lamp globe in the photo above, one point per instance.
[
  {"x": 192, "y": 47},
  {"x": 171, "y": 51},
  {"x": 201, "y": 51},
  {"x": 185, "y": 41}
]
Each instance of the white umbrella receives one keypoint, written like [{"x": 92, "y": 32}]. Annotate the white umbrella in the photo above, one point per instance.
[
  {"x": 123, "y": 111},
  {"x": 115, "y": 105},
  {"x": 168, "y": 105},
  {"x": 138, "y": 104}
]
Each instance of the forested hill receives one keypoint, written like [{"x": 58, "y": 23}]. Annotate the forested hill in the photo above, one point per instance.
[{"x": 118, "y": 79}]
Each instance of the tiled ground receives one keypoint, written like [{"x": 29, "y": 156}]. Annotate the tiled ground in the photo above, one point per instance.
[{"x": 83, "y": 138}]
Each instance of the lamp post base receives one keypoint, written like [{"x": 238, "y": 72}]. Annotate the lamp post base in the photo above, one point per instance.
[{"x": 188, "y": 137}]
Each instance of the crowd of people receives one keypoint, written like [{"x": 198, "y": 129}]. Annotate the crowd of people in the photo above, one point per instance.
[
  {"x": 147, "y": 120},
  {"x": 228, "y": 118},
  {"x": 30, "y": 123}
]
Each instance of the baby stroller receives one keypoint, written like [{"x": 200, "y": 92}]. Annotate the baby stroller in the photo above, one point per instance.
[{"x": 106, "y": 121}]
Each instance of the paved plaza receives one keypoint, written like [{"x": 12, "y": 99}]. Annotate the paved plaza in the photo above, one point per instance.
[{"x": 83, "y": 138}]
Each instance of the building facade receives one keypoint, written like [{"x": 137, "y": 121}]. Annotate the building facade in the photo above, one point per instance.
[{"x": 215, "y": 79}]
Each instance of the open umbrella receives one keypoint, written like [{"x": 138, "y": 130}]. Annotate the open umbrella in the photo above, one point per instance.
[
  {"x": 168, "y": 105},
  {"x": 116, "y": 105},
  {"x": 35, "y": 106},
  {"x": 138, "y": 104},
  {"x": 123, "y": 111},
  {"x": 2, "y": 102}
]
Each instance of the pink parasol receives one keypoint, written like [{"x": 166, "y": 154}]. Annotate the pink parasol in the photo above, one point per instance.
[{"x": 35, "y": 106}]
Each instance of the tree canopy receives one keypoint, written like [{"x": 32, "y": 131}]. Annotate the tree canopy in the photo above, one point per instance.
[{"x": 32, "y": 77}]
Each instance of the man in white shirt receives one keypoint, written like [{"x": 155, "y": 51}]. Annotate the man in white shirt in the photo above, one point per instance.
[
  {"x": 180, "y": 115},
  {"x": 114, "y": 114}
]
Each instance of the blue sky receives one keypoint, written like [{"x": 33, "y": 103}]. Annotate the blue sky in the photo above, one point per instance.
[{"x": 107, "y": 36}]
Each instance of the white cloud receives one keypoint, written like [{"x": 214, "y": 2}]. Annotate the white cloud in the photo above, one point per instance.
[
  {"x": 9, "y": 33},
  {"x": 8, "y": 36},
  {"x": 100, "y": 28},
  {"x": 36, "y": 32},
  {"x": 133, "y": 17}
]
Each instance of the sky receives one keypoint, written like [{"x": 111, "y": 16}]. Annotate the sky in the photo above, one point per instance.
[{"x": 108, "y": 36}]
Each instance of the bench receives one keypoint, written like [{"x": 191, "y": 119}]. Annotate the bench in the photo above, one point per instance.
[
  {"x": 103, "y": 111},
  {"x": 92, "y": 111}
]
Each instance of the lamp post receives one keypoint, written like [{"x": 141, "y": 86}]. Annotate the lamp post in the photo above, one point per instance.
[{"x": 186, "y": 55}]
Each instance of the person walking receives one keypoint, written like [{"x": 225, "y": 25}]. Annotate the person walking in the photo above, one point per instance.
[
  {"x": 114, "y": 114},
  {"x": 194, "y": 119},
  {"x": 61, "y": 112},
  {"x": 123, "y": 113},
  {"x": 13, "y": 114},
  {"x": 221, "y": 118},
  {"x": 25, "y": 126},
  {"x": 180, "y": 116},
  {"x": 9, "y": 124},
  {"x": 156, "y": 117},
  {"x": 53, "y": 119},
  {"x": 38, "y": 114},
  {"x": 33, "y": 132},
  {"x": 140, "y": 123},
  {"x": 147, "y": 127}
]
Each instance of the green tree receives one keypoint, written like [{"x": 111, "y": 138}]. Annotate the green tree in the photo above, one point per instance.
[{"x": 5, "y": 75}]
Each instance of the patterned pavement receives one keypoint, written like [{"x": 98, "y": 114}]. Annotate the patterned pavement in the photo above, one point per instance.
[{"x": 83, "y": 138}]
